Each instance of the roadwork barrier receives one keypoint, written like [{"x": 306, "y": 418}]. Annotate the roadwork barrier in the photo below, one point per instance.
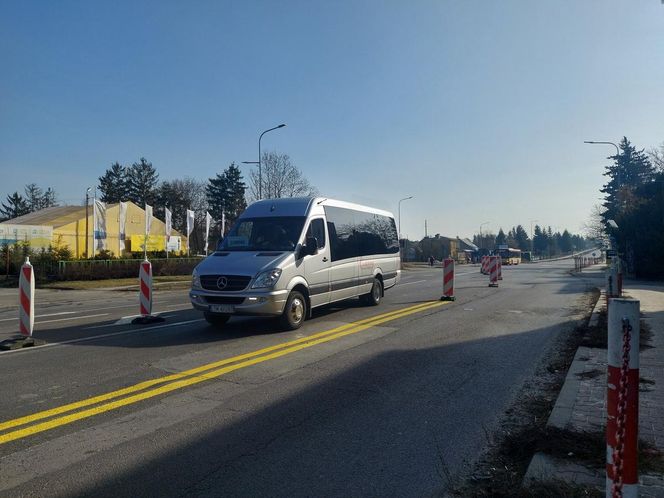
[
  {"x": 493, "y": 271},
  {"x": 448, "y": 280},
  {"x": 145, "y": 295},
  {"x": 26, "y": 299},
  {"x": 622, "y": 423}
]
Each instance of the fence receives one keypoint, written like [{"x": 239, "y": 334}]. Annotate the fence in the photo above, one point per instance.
[{"x": 122, "y": 268}]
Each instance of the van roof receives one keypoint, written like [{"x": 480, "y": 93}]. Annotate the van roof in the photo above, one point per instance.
[{"x": 300, "y": 206}]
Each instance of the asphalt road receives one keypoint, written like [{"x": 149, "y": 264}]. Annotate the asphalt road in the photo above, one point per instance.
[{"x": 393, "y": 400}]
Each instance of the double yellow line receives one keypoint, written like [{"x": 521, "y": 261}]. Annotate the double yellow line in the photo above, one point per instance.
[{"x": 62, "y": 415}]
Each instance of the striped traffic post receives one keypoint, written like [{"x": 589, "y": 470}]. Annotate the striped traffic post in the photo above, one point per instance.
[
  {"x": 145, "y": 295},
  {"x": 493, "y": 271},
  {"x": 622, "y": 401},
  {"x": 500, "y": 267},
  {"x": 145, "y": 277},
  {"x": 26, "y": 308},
  {"x": 448, "y": 280}
]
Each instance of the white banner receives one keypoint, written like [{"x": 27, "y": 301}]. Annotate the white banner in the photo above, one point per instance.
[
  {"x": 122, "y": 227},
  {"x": 208, "y": 220},
  {"x": 100, "y": 225},
  {"x": 190, "y": 225},
  {"x": 169, "y": 222},
  {"x": 148, "y": 219}
]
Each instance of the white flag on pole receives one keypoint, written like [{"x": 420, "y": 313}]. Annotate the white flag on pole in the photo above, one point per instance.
[
  {"x": 190, "y": 225},
  {"x": 123, "y": 223},
  {"x": 169, "y": 226},
  {"x": 148, "y": 219},
  {"x": 208, "y": 220},
  {"x": 100, "y": 225},
  {"x": 223, "y": 223}
]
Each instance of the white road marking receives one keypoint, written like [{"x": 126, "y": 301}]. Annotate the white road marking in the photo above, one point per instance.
[
  {"x": 42, "y": 316},
  {"x": 101, "y": 336},
  {"x": 72, "y": 318},
  {"x": 411, "y": 283}
]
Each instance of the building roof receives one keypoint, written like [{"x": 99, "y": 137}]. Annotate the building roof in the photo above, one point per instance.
[{"x": 56, "y": 216}]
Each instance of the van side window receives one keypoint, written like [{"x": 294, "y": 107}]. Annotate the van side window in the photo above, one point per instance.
[
  {"x": 317, "y": 229},
  {"x": 355, "y": 233}
]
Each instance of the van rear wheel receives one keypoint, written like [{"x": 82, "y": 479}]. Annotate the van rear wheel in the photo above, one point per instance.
[
  {"x": 374, "y": 296},
  {"x": 295, "y": 311}
]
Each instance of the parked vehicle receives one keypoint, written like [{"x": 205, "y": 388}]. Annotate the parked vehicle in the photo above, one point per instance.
[{"x": 284, "y": 257}]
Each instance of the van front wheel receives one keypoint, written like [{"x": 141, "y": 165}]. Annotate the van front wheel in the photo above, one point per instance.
[
  {"x": 295, "y": 311},
  {"x": 374, "y": 296}
]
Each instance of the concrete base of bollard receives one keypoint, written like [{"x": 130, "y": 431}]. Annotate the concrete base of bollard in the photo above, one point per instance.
[
  {"x": 19, "y": 342},
  {"x": 448, "y": 298},
  {"x": 147, "y": 319},
  {"x": 493, "y": 285}
]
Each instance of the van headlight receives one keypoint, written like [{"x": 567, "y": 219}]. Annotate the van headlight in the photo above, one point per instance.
[
  {"x": 267, "y": 279},
  {"x": 195, "y": 280}
]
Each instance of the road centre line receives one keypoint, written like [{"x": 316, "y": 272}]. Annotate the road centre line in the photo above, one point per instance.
[{"x": 194, "y": 376}]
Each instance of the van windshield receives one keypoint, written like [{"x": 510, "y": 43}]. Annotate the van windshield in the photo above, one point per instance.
[{"x": 264, "y": 234}]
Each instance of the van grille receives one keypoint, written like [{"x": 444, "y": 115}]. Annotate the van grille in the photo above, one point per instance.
[{"x": 226, "y": 283}]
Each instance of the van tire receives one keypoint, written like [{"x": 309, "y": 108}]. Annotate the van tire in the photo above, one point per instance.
[
  {"x": 216, "y": 319},
  {"x": 375, "y": 294},
  {"x": 295, "y": 311}
]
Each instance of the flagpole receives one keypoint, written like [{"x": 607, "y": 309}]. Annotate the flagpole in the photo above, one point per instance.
[
  {"x": 94, "y": 222},
  {"x": 119, "y": 229}
]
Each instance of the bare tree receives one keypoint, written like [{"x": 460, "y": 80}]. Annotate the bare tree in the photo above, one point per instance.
[
  {"x": 182, "y": 194},
  {"x": 280, "y": 178},
  {"x": 657, "y": 157},
  {"x": 594, "y": 228}
]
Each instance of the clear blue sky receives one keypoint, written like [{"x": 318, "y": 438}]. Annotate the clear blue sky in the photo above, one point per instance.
[{"x": 478, "y": 109}]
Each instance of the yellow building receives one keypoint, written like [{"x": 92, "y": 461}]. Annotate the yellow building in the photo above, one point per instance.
[{"x": 68, "y": 227}]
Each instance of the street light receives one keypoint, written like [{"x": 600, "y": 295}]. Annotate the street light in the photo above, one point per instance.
[
  {"x": 404, "y": 199},
  {"x": 260, "y": 173},
  {"x": 603, "y": 143},
  {"x": 532, "y": 245},
  {"x": 481, "y": 241}
]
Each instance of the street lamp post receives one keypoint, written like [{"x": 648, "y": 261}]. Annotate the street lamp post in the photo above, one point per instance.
[
  {"x": 399, "y": 204},
  {"x": 260, "y": 172},
  {"x": 482, "y": 241},
  {"x": 532, "y": 245}
]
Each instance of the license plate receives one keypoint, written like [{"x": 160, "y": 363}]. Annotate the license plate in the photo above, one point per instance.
[{"x": 221, "y": 308}]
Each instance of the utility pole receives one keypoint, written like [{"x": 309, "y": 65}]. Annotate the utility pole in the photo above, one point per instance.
[{"x": 426, "y": 234}]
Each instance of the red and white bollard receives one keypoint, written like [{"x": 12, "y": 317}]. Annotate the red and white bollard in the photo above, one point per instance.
[
  {"x": 500, "y": 268},
  {"x": 26, "y": 299},
  {"x": 485, "y": 265},
  {"x": 145, "y": 295},
  {"x": 448, "y": 280},
  {"x": 622, "y": 402},
  {"x": 493, "y": 271}
]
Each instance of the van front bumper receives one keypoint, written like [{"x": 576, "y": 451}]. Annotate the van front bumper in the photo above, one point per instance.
[{"x": 255, "y": 303}]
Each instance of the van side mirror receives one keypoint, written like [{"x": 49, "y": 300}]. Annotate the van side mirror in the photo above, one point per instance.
[{"x": 311, "y": 246}]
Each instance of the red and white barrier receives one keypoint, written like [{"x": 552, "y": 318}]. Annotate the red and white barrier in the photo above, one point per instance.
[
  {"x": 26, "y": 299},
  {"x": 145, "y": 277},
  {"x": 485, "y": 265},
  {"x": 448, "y": 280},
  {"x": 145, "y": 295},
  {"x": 500, "y": 267},
  {"x": 622, "y": 477},
  {"x": 493, "y": 271}
]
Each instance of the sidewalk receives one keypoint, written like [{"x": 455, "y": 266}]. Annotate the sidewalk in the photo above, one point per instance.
[{"x": 581, "y": 404}]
